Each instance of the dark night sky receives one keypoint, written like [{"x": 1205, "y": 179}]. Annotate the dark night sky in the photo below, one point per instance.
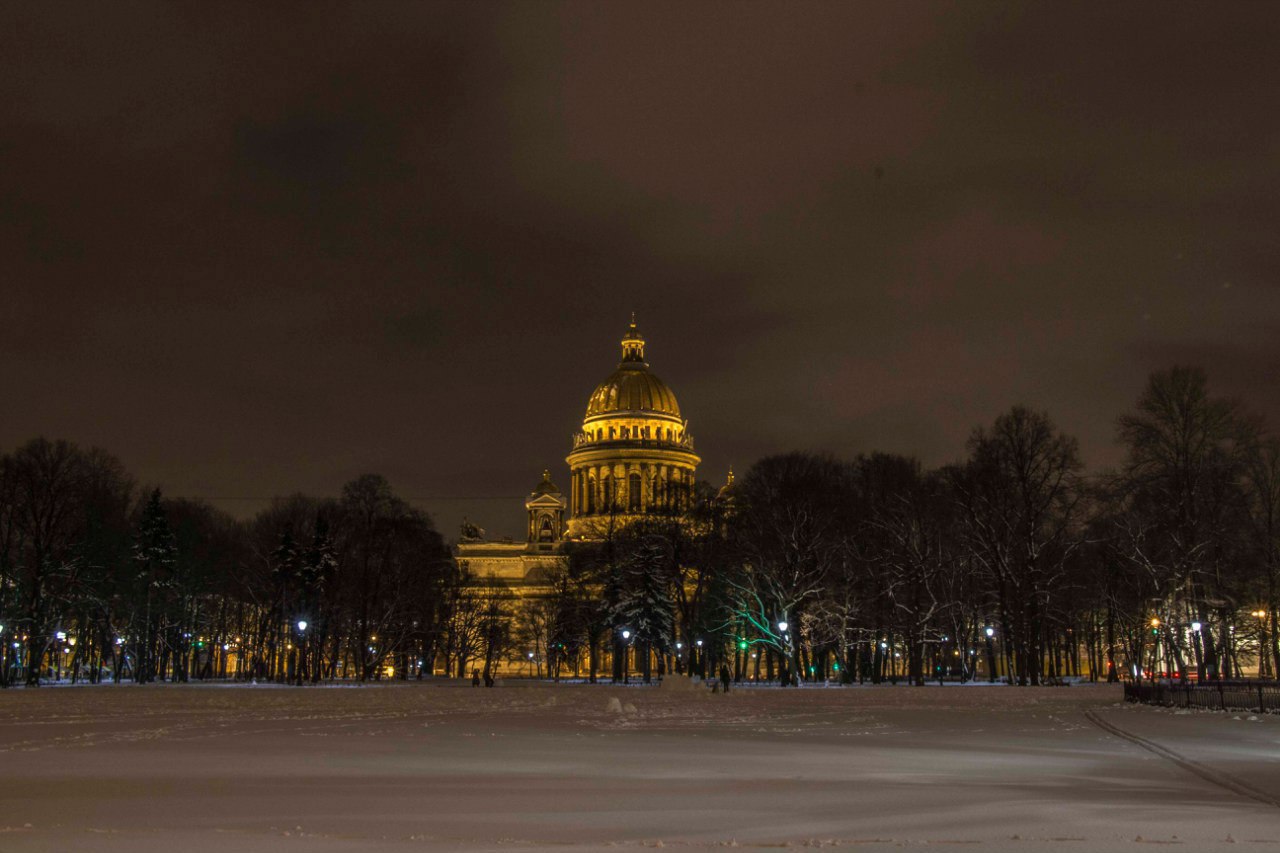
[{"x": 258, "y": 250}]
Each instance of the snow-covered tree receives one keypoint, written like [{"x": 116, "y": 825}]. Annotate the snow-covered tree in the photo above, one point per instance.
[{"x": 644, "y": 600}]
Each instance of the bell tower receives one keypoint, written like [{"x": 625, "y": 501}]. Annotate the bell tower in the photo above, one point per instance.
[{"x": 546, "y": 508}]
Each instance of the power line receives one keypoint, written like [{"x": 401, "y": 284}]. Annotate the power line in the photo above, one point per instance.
[{"x": 417, "y": 498}]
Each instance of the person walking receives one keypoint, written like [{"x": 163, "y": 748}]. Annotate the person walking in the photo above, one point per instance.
[
  {"x": 724, "y": 677},
  {"x": 475, "y": 678}
]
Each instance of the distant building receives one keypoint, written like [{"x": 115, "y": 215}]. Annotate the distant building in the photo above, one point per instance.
[{"x": 633, "y": 457}]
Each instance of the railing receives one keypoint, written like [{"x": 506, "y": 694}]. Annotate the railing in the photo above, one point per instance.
[
  {"x": 685, "y": 442},
  {"x": 1243, "y": 695}
]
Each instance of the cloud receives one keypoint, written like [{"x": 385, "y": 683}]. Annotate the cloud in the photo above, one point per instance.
[{"x": 273, "y": 249}]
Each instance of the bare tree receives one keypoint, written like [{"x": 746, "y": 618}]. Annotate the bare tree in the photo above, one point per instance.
[
  {"x": 58, "y": 494},
  {"x": 791, "y": 530},
  {"x": 1019, "y": 494},
  {"x": 1180, "y": 499}
]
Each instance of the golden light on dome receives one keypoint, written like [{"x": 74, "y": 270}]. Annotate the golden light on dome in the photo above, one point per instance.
[{"x": 634, "y": 454}]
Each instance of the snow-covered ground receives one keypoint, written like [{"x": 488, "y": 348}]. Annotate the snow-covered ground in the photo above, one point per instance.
[{"x": 414, "y": 767}]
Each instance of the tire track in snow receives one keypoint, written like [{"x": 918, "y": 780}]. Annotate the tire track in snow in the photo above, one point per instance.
[{"x": 1208, "y": 774}]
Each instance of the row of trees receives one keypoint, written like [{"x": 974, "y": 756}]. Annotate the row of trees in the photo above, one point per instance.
[
  {"x": 1011, "y": 562},
  {"x": 98, "y": 579}
]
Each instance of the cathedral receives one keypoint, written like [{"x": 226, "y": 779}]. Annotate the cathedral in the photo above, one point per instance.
[{"x": 633, "y": 456}]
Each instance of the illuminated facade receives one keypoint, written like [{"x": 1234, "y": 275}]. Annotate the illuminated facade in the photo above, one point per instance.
[
  {"x": 523, "y": 567},
  {"x": 634, "y": 454},
  {"x": 633, "y": 457}
]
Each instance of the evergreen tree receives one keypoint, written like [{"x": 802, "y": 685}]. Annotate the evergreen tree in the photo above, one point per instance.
[
  {"x": 286, "y": 573},
  {"x": 154, "y": 551},
  {"x": 644, "y": 603},
  {"x": 315, "y": 579}
]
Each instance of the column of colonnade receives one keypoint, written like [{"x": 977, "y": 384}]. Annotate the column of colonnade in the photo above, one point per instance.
[{"x": 658, "y": 484}]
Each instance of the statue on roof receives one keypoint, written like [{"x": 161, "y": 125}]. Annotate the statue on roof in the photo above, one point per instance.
[{"x": 471, "y": 532}]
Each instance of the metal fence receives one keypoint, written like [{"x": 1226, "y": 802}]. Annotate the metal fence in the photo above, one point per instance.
[{"x": 1259, "y": 696}]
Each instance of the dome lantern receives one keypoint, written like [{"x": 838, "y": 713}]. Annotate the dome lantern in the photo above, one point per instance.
[{"x": 633, "y": 343}]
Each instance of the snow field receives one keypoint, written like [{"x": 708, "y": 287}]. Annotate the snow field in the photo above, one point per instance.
[{"x": 422, "y": 766}]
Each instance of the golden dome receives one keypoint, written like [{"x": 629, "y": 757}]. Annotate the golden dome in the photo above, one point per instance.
[{"x": 632, "y": 388}]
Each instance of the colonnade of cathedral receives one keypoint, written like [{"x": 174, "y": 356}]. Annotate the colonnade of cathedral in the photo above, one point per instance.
[{"x": 635, "y": 487}]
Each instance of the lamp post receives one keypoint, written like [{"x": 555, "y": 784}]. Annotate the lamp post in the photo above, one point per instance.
[
  {"x": 991, "y": 653},
  {"x": 1196, "y": 649},
  {"x": 302, "y": 650},
  {"x": 1264, "y": 669},
  {"x": 787, "y": 676},
  {"x": 61, "y": 637},
  {"x": 626, "y": 649},
  {"x": 1155, "y": 647},
  {"x": 699, "y": 661}
]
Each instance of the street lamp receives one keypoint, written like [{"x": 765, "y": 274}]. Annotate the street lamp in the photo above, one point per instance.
[
  {"x": 991, "y": 632},
  {"x": 1263, "y": 668},
  {"x": 782, "y": 626},
  {"x": 626, "y": 669},
  {"x": 301, "y": 654}
]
